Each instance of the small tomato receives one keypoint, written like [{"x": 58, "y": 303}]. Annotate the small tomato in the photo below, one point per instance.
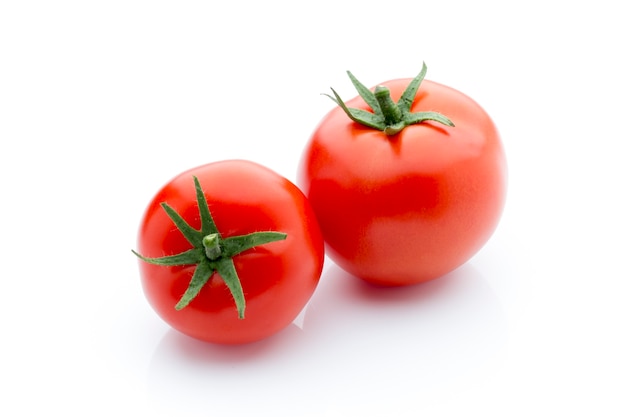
[
  {"x": 230, "y": 252},
  {"x": 407, "y": 180}
]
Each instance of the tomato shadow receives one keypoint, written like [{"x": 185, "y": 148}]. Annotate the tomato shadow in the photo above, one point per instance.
[
  {"x": 430, "y": 334},
  {"x": 363, "y": 292},
  {"x": 178, "y": 347},
  {"x": 341, "y": 292},
  {"x": 357, "y": 344},
  {"x": 185, "y": 375}
]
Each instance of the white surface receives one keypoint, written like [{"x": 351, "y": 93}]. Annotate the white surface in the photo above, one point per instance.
[{"x": 102, "y": 102}]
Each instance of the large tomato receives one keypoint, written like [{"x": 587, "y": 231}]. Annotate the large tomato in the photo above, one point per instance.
[
  {"x": 408, "y": 180},
  {"x": 230, "y": 252}
]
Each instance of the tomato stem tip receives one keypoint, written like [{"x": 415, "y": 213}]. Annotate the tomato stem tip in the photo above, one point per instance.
[{"x": 212, "y": 246}]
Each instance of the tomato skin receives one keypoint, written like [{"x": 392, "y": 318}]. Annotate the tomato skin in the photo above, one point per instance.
[
  {"x": 278, "y": 278},
  {"x": 404, "y": 209}
]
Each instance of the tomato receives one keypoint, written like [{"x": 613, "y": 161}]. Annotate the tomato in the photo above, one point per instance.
[
  {"x": 403, "y": 203},
  {"x": 230, "y": 252}
]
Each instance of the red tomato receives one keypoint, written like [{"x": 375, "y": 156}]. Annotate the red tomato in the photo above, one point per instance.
[
  {"x": 412, "y": 206},
  {"x": 273, "y": 278}
]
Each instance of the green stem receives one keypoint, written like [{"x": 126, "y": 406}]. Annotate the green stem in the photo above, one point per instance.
[
  {"x": 212, "y": 246},
  {"x": 390, "y": 110}
]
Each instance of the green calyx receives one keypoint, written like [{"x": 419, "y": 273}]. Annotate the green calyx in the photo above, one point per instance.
[
  {"x": 388, "y": 116},
  {"x": 210, "y": 253}
]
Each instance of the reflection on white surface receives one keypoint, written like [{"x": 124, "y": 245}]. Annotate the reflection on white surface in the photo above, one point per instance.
[{"x": 359, "y": 346}]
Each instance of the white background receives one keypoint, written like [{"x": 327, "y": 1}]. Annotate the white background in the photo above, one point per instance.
[{"x": 102, "y": 102}]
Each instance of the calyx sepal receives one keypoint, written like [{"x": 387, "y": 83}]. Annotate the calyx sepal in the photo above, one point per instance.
[
  {"x": 210, "y": 253},
  {"x": 386, "y": 115}
]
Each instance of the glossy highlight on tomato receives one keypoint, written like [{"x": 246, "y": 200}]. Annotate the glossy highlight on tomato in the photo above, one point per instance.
[
  {"x": 242, "y": 269},
  {"x": 407, "y": 205}
]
